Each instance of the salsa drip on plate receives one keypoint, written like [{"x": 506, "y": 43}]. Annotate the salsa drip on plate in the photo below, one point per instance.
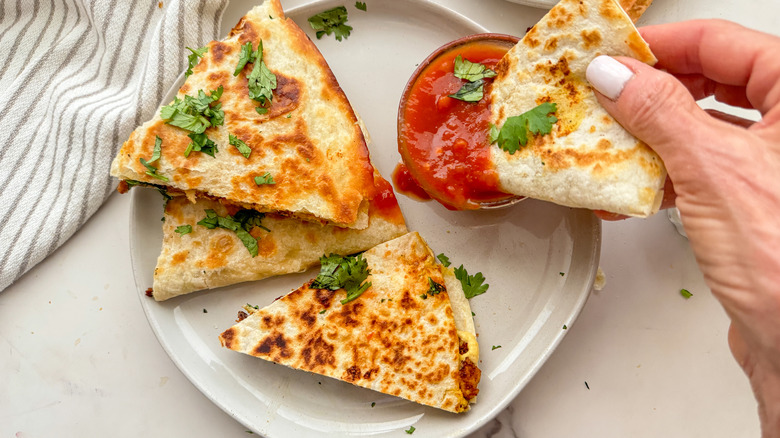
[{"x": 444, "y": 140}]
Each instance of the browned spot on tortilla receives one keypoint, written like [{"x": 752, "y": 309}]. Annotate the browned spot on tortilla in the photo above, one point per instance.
[
  {"x": 610, "y": 10},
  {"x": 560, "y": 17},
  {"x": 274, "y": 345},
  {"x": 266, "y": 245},
  {"x": 351, "y": 374},
  {"x": 227, "y": 337},
  {"x": 551, "y": 44},
  {"x": 218, "y": 51},
  {"x": 590, "y": 38},
  {"x": 318, "y": 354},
  {"x": 179, "y": 257},
  {"x": 219, "y": 248}
]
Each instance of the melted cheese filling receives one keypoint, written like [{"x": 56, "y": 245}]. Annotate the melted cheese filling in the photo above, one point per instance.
[{"x": 471, "y": 340}]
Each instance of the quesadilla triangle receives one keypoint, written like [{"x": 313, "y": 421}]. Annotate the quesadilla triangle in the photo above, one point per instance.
[
  {"x": 409, "y": 334},
  {"x": 587, "y": 160},
  {"x": 200, "y": 252},
  {"x": 262, "y": 123}
]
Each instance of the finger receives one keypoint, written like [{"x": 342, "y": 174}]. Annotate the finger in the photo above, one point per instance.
[
  {"x": 722, "y": 51},
  {"x": 701, "y": 87}
]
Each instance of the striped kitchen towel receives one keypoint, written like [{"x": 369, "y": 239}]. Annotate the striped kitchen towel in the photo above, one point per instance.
[{"x": 78, "y": 76}]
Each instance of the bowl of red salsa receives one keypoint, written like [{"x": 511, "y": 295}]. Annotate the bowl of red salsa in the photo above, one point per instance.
[{"x": 443, "y": 126}]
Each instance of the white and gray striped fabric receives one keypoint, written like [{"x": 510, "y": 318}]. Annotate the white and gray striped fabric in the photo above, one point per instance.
[{"x": 77, "y": 76}]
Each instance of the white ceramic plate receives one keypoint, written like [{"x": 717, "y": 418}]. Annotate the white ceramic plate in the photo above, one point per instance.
[{"x": 539, "y": 259}]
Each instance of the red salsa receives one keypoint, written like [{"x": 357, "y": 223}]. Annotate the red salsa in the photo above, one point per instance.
[{"x": 444, "y": 141}]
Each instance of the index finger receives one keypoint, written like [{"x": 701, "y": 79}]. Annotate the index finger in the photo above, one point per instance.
[{"x": 722, "y": 51}]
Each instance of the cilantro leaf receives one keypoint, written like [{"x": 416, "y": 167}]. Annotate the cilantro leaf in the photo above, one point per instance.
[
  {"x": 200, "y": 143},
  {"x": 471, "y": 71},
  {"x": 434, "y": 288},
  {"x": 246, "y": 56},
  {"x": 332, "y": 21},
  {"x": 241, "y": 224},
  {"x": 685, "y": 293},
  {"x": 410, "y": 430},
  {"x": 157, "y": 152},
  {"x": 361, "y": 6},
  {"x": 472, "y": 284},
  {"x": 343, "y": 272},
  {"x": 514, "y": 133},
  {"x": 240, "y": 145},
  {"x": 261, "y": 82},
  {"x": 184, "y": 229},
  {"x": 195, "y": 114},
  {"x": 470, "y": 91},
  {"x": 267, "y": 178},
  {"x": 194, "y": 57},
  {"x": 444, "y": 260}
]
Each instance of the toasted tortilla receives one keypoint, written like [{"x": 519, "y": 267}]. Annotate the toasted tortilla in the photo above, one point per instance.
[
  {"x": 390, "y": 339},
  {"x": 309, "y": 140},
  {"x": 588, "y": 160},
  {"x": 210, "y": 258},
  {"x": 635, "y": 8}
]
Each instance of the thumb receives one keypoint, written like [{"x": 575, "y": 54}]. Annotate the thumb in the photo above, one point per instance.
[{"x": 651, "y": 104}]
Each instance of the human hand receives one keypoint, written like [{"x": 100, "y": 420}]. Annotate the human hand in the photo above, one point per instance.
[{"x": 726, "y": 176}]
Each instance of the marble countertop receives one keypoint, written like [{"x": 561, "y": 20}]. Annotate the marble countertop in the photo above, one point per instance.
[{"x": 79, "y": 358}]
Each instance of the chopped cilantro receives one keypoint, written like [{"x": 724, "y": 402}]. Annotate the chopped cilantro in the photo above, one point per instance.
[
  {"x": 266, "y": 178},
  {"x": 195, "y": 114},
  {"x": 184, "y": 229},
  {"x": 564, "y": 327},
  {"x": 443, "y": 259},
  {"x": 561, "y": 274},
  {"x": 373, "y": 404},
  {"x": 514, "y": 133},
  {"x": 361, "y": 5},
  {"x": 332, "y": 21},
  {"x": 343, "y": 272},
  {"x": 471, "y": 71},
  {"x": 424, "y": 296},
  {"x": 323, "y": 311},
  {"x": 246, "y": 55},
  {"x": 241, "y": 223},
  {"x": 434, "y": 288},
  {"x": 685, "y": 293},
  {"x": 200, "y": 143},
  {"x": 254, "y": 307},
  {"x": 240, "y": 145},
  {"x": 205, "y": 311},
  {"x": 496, "y": 347},
  {"x": 472, "y": 284},
  {"x": 261, "y": 82},
  {"x": 194, "y": 57},
  {"x": 156, "y": 153},
  {"x": 410, "y": 430},
  {"x": 470, "y": 91}
]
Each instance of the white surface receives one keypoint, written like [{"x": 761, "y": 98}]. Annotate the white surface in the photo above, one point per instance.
[{"x": 79, "y": 359}]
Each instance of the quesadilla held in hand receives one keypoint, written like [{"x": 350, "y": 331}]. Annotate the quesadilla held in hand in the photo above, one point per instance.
[
  {"x": 208, "y": 244},
  {"x": 575, "y": 153},
  {"x": 262, "y": 123},
  {"x": 389, "y": 319}
]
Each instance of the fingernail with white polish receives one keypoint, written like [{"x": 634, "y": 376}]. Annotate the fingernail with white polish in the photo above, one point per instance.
[{"x": 608, "y": 76}]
